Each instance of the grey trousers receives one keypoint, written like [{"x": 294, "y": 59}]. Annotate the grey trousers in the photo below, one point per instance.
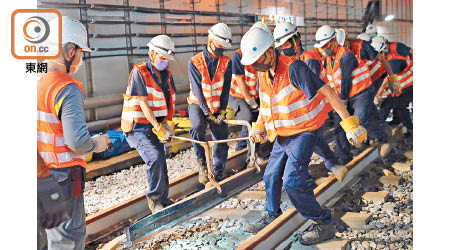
[{"x": 71, "y": 233}]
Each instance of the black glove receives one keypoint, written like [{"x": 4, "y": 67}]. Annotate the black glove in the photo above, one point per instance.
[{"x": 53, "y": 204}]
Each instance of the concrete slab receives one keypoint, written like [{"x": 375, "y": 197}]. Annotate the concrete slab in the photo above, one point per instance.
[
  {"x": 402, "y": 166},
  {"x": 355, "y": 220},
  {"x": 376, "y": 196},
  {"x": 390, "y": 180},
  {"x": 231, "y": 213},
  {"x": 337, "y": 244}
]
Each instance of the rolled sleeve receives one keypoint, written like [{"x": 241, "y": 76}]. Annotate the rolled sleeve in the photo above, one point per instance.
[
  {"x": 238, "y": 68},
  {"x": 369, "y": 52},
  {"x": 137, "y": 84},
  {"x": 348, "y": 64},
  {"x": 195, "y": 80},
  {"x": 71, "y": 113},
  {"x": 304, "y": 79},
  {"x": 226, "y": 88}
]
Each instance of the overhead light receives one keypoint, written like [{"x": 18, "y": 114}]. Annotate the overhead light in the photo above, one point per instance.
[{"x": 389, "y": 18}]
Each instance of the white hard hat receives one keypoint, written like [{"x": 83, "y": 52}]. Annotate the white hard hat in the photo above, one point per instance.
[
  {"x": 283, "y": 32},
  {"x": 371, "y": 29},
  {"x": 340, "y": 36},
  {"x": 73, "y": 31},
  {"x": 253, "y": 45},
  {"x": 323, "y": 35},
  {"x": 221, "y": 33},
  {"x": 379, "y": 43},
  {"x": 261, "y": 25},
  {"x": 163, "y": 45},
  {"x": 364, "y": 36}
]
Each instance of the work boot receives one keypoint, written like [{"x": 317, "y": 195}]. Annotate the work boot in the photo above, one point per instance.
[
  {"x": 318, "y": 232},
  {"x": 260, "y": 224},
  {"x": 202, "y": 171},
  {"x": 340, "y": 171},
  {"x": 154, "y": 204}
]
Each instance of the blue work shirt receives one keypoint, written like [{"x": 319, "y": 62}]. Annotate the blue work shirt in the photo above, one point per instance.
[
  {"x": 195, "y": 79},
  {"x": 368, "y": 52},
  {"x": 348, "y": 64},
  {"x": 237, "y": 67},
  {"x": 399, "y": 65},
  {"x": 138, "y": 88},
  {"x": 313, "y": 64},
  {"x": 301, "y": 77}
]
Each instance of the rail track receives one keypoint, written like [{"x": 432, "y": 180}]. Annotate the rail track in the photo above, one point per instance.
[{"x": 124, "y": 214}]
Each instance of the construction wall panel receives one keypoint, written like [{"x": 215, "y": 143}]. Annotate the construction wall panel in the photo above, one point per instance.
[{"x": 121, "y": 36}]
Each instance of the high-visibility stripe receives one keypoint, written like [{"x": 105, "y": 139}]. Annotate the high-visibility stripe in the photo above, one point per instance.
[
  {"x": 282, "y": 94},
  {"x": 269, "y": 126},
  {"x": 249, "y": 74},
  {"x": 47, "y": 117},
  {"x": 264, "y": 97},
  {"x": 292, "y": 107},
  {"x": 47, "y": 138},
  {"x": 358, "y": 70},
  {"x": 207, "y": 87},
  {"x": 375, "y": 68},
  {"x": 265, "y": 111},
  {"x": 337, "y": 73},
  {"x": 403, "y": 84},
  {"x": 155, "y": 92},
  {"x": 62, "y": 157},
  {"x": 360, "y": 78},
  {"x": 135, "y": 102},
  {"x": 129, "y": 115},
  {"x": 406, "y": 74},
  {"x": 305, "y": 117}
]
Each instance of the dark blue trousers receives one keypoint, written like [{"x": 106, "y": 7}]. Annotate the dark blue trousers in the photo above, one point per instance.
[
  {"x": 199, "y": 124},
  {"x": 288, "y": 167},
  {"x": 152, "y": 152}
]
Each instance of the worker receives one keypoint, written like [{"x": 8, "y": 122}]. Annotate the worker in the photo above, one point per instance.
[
  {"x": 292, "y": 115},
  {"x": 361, "y": 48},
  {"x": 400, "y": 58},
  {"x": 371, "y": 30},
  {"x": 244, "y": 98},
  {"x": 288, "y": 40},
  {"x": 210, "y": 79},
  {"x": 149, "y": 103},
  {"x": 351, "y": 81},
  {"x": 63, "y": 139}
]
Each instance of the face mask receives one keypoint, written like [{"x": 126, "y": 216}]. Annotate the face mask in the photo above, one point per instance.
[
  {"x": 161, "y": 65},
  {"x": 372, "y": 36},
  {"x": 386, "y": 50},
  {"x": 262, "y": 67},
  {"x": 326, "y": 52},
  {"x": 216, "y": 51},
  {"x": 78, "y": 66},
  {"x": 289, "y": 51}
]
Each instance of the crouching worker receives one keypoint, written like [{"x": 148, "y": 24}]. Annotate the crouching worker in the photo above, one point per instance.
[
  {"x": 149, "y": 102},
  {"x": 210, "y": 80},
  {"x": 292, "y": 114}
]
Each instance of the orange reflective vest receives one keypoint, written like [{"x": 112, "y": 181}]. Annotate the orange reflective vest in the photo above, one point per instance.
[
  {"x": 376, "y": 68},
  {"x": 212, "y": 89},
  {"x": 50, "y": 136},
  {"x": 286, "y": 110},
  {"x": 405, "y": 78},
  {"x": 314, "y": 54},
  {"x": 360, "y": 76},
  {"x": 249, "y": 79},
  {"x": 132, "y": 112}
]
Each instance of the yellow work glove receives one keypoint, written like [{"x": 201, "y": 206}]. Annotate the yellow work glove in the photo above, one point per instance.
[
  {"x": 356, "y": 134},
  {"x": 258, "y": 133},
  {"x": 163, "y": 133},
  {"x": 229, "y": 113}
]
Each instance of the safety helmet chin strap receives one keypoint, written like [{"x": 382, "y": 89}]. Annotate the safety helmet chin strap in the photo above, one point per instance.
[{"x": 69, "y": 62}]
